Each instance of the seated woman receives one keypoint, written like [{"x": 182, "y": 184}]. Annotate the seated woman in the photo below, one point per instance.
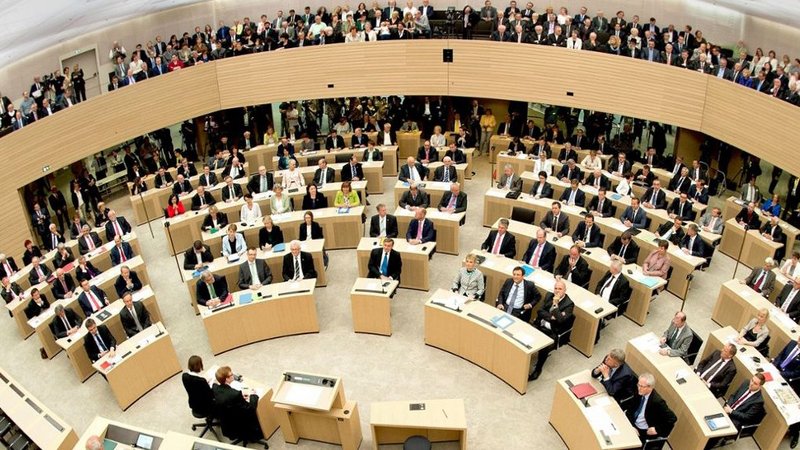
[
  {"x": 313, "y": 199},
  {"x": 772, "y": 207},
  {"x": 469, "y": 280},
  {"x": 285, "y": 159},
  {"x": 657, "y": 262},
  {"x": 214, "y": 219},
  {"x": 250, "y": 210},
  {"x": 756, "y": 331},
  {"x": 233, "y": 243},
  {"x": 235, "y": 153},
  {"x": 346, "y": 197},
  {"x": 624, "y": 186},
  {"x": 310, "y": 229},
  {"x": 175, "y": 206},
  {"x": 791, "y": 267},
  {"x": 269, "y": 236},
  {"x": 292, "y": 178},
  {"x": 592, "y": 161},
  {"x": 139, "y": 186},
  {"x": 280, "y": 203},
  {"x": 270, "y": 137},
  {"x": 437, "y": 138},
  {"x": 516, "y": 146}
]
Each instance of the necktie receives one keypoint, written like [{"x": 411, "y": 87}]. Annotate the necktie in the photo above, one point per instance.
[
  {"x": 600, "y": 206},
  {"x": 39, "y": 271},
  {"x": 792, "y": 355},
  {"x": 680, "y": 183},
  {"x": 55, "y": 241},
  {"x": 536, "y": 254},
  {"x": 135, "y": 318},
  {"x": 121, "y": 254},
  {"x": 508, "y": 182},
  {"x": 202, "y": 200},
  {"x": 96, "y": 305},
  {"x": 760, "y": 281},
  {"x": 66, "y": 323},
  {"x": 64, "y": 285},
  {"x": 9, "y": 271},
  {"x": 512, "y": 299},
  {"x": 788, "y": 301},
  {"x": 446, "y": 174},
  {"x": 382, "y": 222},
  {"x": 571, "y": 195},
  {"x": 452, "y": 203},
  {"x": 230, "y": 190},
  {"x": 653, "y": 198},
  {"x": 639, "y": 409},
  {"x": 211, "y": 291},
  {"x": 675, "y": 336},
  {"x": 117, "y": 228},
  {"x": 296, "y": 268},
  {"x": 608, "y": 283},
  {"x": 100, "y": 344},
  {"x": 419, "y": 230},
  {"x": 497, "y": 241},
  {"x": 555, "y": 222},
  {"x": 586, "y": 237},
  {"x": 741, "y": 400},
  {"x": 710, "y": 373},
  {"x": 385, "y": 264}
]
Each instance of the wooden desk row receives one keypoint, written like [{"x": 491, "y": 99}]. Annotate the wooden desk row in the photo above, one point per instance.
[
  {"x": 415, "y": 273},
  {"x": 733, "y": 205},
  {"x": 267, "y": 156},
  {"x": 434, "y": 189},
  {"x": 187, "y": 228},
  {"x": 447, "y": 226},
  {"x": 373, "y": 175},
  {"x": 748, "y": 246}
]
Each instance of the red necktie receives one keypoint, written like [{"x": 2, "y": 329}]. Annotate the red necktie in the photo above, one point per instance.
[
  {"x": 536, "y": 254},
  {"x": 760, "y": 281},
  {"x": 121, "y": 254},
  {"x": 90, "y": 242},
  {"x": 117, "y": 228},
  {"x": 741, "y": 400},
  {"x": 96, "y": 305},
  {"x": 419, "y": 230},
  {"x": 497, "y": 241}
]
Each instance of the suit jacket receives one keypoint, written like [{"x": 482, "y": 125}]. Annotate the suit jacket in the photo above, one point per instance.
[
  {"x": 208, "y": 222},
  {"x": 394, "y": 265},
  {"x": 61, "y": 260},
  {"x": 86, "y": 305},
  {"x": 330, "y": 143},
  {"x": 766, "y": 286},
  {"x": 227, "y": 171},
  {"x": 792, "y": 370},
  {"x": 122, "y": 288},
  {"x": 547, "y": 189},
  {"x": 33, "y": 309},
  {"x": 306, "y": 265},
  {"x": 794, "y": 307},
  {"x": 461, "y": 201},
  {"x": 677, "y": 185},
  {"x": 226, "y": 193},
  {"x": 428, "y": 233},
  {"x": 116, "y": 258},
  {"x": 594, "y": 235},
  {"x": 163, "y": 182},
  {"x": 91, "y": 347},
  {"x": 128, "y": 324},
  {"x": 508, "y": 247},
  {"x": 676, "y": 236},
  {"x": 661, "y": 198},
  {"x": 614, "y": 166},
  {"x": 212, "y": 179},
  {"x": 638, "y": 218},
  {"x": 580, "y": 272},
  {"x": 516, "y": 182},
  {"x": 698, "y": 248},
  {"x": 452, "y": 174},
  {"x": 237, "y": 414},
  {"x": 48, "y": 241},
  {"x": 701, "y": 196},
  {"x": 678, "y": 346},
  {"x": 574, "y": 174},
  {"x": 706, "y": 221},
  {"x": 254, "y": 185},
  {"x": 182, "y": 188},
  {"x": 433, "y": 154},
  {"x": 391, "y": 226},
  {"x": 207, "y": 197},
  {"x": 530, "y": 296},
  {"x": 721, "y": 377},
  {"x": 549, "y": 222},
  {"x": 33, "y": 277},
  {"x": 405, "y": 172},
  {"x": 270, "y": 237},
  {"x": 604, "y": 181},
  {"x": 377, "y": 155},
  {"x": 749, "y": 412},
  {"x": 407, "y": 199},
  {"x": 190, "y": 258},
  {"x": 559, "y": 319},
  {"x": 356, "y": 141},
  {"x": 753, "y": 223},
  {"x": 123, "y": 224},
  {"x": 58, "y": 289},
  {"x": 620, "y": 292},
  {"x": 656, "y": 413},
  {"x": 87, "y": 273},
  {"x": 220, "y": 289},
  {"x": 381, "y": 134},
  {"x": 621, "y": 384},
  {"x": 246, "y": 278},
  {"x": 6, "y": 293},
  {"x": 777, "y": 233},
  {"x": 348, "y": 175},
  {"x": 57, "y": 325},
  {"x": 330, "y": 176},
  {"x": 605, "y": 210},
  {"x": 316, "y": 231},
  {"x": 580, "y": 197}
]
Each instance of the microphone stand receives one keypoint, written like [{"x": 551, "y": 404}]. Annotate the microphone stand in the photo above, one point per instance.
[
  {"x": 741, "y": 249},
  {"x": 174, "y": 253},
  {"x": 146, "y": 217}
]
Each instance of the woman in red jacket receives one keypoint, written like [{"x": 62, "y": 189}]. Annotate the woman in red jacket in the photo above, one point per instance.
[{"x": 175, "y": 207}]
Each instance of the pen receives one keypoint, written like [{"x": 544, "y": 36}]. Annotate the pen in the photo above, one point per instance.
[{"x": 445, "y": 414}]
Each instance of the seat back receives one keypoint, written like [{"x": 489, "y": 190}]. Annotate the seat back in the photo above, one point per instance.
[
  {"x": 201, "y": 397},
  {"x": 763, "y": 348},
  {"x": 523, "y": 215},
  {"x": 694, "y": 348},
  {"x": 342, "y": 157},
  {"x": 563, "y": 337}
]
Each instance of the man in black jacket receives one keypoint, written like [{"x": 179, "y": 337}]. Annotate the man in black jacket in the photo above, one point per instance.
[
  {"x": 65, "y": 323},
  {"x": 717, "y": 370},
  {"x": 616, "y": 376},
  {"x": 298, "y": 265},
  {"x": 500, "y": 241},
  {"x": 624, "y": 248},
  {"x": 134, "y": 316},
  {"x": 98, "y": 341},
  {"x": 197, "y": 256},
  {"x": 573, "y": 268},
  {"x": 385, "y": 263},
  {"x": 260, "y": 182},
  {"x": 540, "y": 253},
  {"x": 789, "y": 299},
  {"x": 383, "y": 224},
  {"x": 649, "y": 413},
  {"x": 553, "y": 318},
  {"x": 236, "y": 409},
  {"x": 614, "y": 287},
  {"x": 518, "y": 296},
  {"x": 746, "y": 405}
]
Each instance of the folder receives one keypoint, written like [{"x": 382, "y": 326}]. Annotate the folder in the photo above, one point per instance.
[{"x": 583, "y": 390}]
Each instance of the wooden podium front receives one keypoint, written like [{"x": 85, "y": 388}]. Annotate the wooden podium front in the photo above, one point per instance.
[{"x": 314, "y": 407}]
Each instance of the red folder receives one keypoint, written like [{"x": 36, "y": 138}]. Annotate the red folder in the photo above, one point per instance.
[{"x": 583, "y": 390}]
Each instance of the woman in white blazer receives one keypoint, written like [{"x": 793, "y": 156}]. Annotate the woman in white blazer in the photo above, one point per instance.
[
  {"x": 250, "y": 210},
  {"x": 233, "y": 243}
]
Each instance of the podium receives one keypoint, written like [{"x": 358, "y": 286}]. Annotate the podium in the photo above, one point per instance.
[{"x": 314, "y": 407}]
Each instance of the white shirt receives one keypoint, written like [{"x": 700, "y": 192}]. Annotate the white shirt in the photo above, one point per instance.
[
  {"x": 387, "y": 138},
  {"x": 639, "y": 420},
  {"x": 623, "y": 188},
  {"x": 592, "y": 164},
  {"x": 250, "y": 215},
  {"x": 253, "y": 272},
  {"x": 606, "y": 293},
  {"x": 519, "y": 300},
  {"x": 438, "y": 140},
  {"x": 545, "y": 166}
]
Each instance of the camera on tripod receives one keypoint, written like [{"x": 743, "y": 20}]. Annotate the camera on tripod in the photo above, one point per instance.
[{"x": 452, "y": 15}]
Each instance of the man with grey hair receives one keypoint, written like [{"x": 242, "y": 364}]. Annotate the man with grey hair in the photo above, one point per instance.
[
  {"x": 762, "y": 279},
  {"x": 509, "y": 180},
  {"x": 298, "y": 265},
  {"x": 651, "y": 416},
  {"x": 614, "y": 287},
  {"x": 618, "y": 379},
  {"x": 678, "y": 336}
]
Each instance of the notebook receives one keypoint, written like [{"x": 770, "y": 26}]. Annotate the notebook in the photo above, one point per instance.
[{"x": 583, "y": 390}]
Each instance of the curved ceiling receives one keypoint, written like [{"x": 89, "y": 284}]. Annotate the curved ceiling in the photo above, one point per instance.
[{"x": 35, "y": 24}]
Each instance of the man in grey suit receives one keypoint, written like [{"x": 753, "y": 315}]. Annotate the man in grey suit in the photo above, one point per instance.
[
  {"x": 762, "y": 279},
  {"x": 712, "y": 222},
  {"x": 509, "y": 180},
  {"x": 675, "y": 341},
  {"x": 254, "y": 273}
]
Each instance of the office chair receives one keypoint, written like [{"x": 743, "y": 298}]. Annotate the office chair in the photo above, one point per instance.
[
  {"x": 655, "y": 443},
  {"x": 201, "y": 402},
  {"x": 747, "y": 431},
  {"x": 523, "y": 215},
  {"x": 342, "y": 158},
  {"x": 563, "y": 337},
  {"x": 588, "y": 280},
  {"x": 763, "y": 348},
  {"x": 694, "y": 348},
  {"x": 417, "y": 443}
]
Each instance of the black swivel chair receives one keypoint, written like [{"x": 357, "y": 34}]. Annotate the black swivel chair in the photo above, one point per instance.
[
  {"x": 694, "y": 348},
  {"x": 763, "y": 348},
  {"x": 201, "y": 402},
  {"x": 563, "y": 337},
  {"x": 417, "y": 443},
  {"x": 342, "y": 158},
  {"x": 523, "y": 215}
]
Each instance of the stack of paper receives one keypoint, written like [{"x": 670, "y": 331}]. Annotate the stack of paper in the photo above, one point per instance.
[{"x": 600, "y": 420}]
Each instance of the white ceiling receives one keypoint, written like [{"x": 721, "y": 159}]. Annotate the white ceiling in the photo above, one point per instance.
[{"x": 32, "y": 25}]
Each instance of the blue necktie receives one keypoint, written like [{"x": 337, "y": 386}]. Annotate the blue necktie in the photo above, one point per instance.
[
  {"x": 639, "y": 409},
  {"x": 385, "y": 264}
]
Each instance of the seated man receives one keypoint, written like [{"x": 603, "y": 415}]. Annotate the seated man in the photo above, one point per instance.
[
  {"x": 447, "y": 172},
  {"x": 573, "y": 267},
  {"x": 182, "y": 186},
  {"x": 587, "y": 234},
  {"x": 63, "y": 286},
  {"x": 600, "y": 206},
  {"x": 681, "y": 207},
  {"x": 211, "y": 289},
  {"x": 655, "y": 197},
  {"x": 699, "y": 192},
  {"x": 518, "y": 296},
  {"x": 652, "y": 418},
  {"x": 36, "y": 304},
  {"x": 65, "y": 323},
  {"x": 414, "y": 198},
  {"x": 261, "y": 182},
  {"x": 772, "y": 231},
  {"x": 616, "y": 376},
  {"x": 88, "y": 240},
  {"x": 749, "y": 217},
  {"x": 334, "y": 141},
  {"x": 692, "y": 244},
  {"x": 553, "y": 318},
  {"x": 383, "y": 224},
  {"x": 500, "y": 241},
  {"x": 163, "y": 179},
  {"x": 116, "y": 226},
  {"x": 234, "y": 169},
  {"x": 597, "y": 180},
  {"x": 567, "y": 153},
  {"x": 427, "y": 154},
  {"x": 712, "y": 221},
  {"x": 421, "y": 229},
  {"x": 134, "y": 316},
  {"x": 540, "y": 253},
  {"x": 762, "y": 279},
  {"x": 542, "y": 188},
  {"x": 555, "y": 220},
  {"x": 634, "y": 217},
  {"x": 412, "y": 171},
  {"x": 232, "y": 191},
  {"x": 453, "y": 201},
  {"x": 456, "y": 154},
  {"x": 509, "y": 180},
  {"x": 372, "y": 153},
  {"x": 677, "y": 337},
  {"x": 92, "y": 298},
  {"x": 352, "y": 171},
  {"x": 298, "y": 265},
  {"x": 253, "y": 273},
  {"x": 614, "y": 287},
  {"x": 644, "y": 176},
  {"x": 358, "y": 139},
  {"x": 236, "y": 409},
  {"x": 98, "y": 341},
  {"x": 788, "y": 300},
  {"x": 127, "y": 281},
  {"x": 746, "y": 405},
  {"x": 569, "y": 171},
  {"x": 202, "y": 200},
  {"x": 324, "y": 174},
  {"x": 121, "y": 251},
  {"x": 385, "y": 263},
  {"x": 717, "y": 370},
  {"x": 198, "y": 256},
  {"x": 672, "y": 231},
  {"x": 208, "y": 178},
  {"x": 573, "y": 196},
  {"x": 681, "y": 182},
  {"x": 39, "y": 271}
]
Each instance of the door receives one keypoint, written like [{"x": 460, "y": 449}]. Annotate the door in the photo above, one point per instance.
[{"x": 87, "y": 60}]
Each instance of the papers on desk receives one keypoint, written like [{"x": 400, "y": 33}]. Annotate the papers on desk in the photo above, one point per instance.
[
  {"x": 528, "y": 269},
  {"x": 237, "y": 385},
  {"x": 502, "y": 321},
  {"x": 717, "y": 421},
  {"x": 303, "y": 394},
  {"x": 616, "y": 196},
  {"x": 245, "y": 298},
  {"x": 647, "y": 342},
  {"x": 262, "y": 195},
  {"x": 454, "y": 302},
  {"x": 281, "y": 216},
  {"x": 600, "y": 420},
  {"x": 784, "y": 319},
  {"x": 645, "y": 279},
  {"x": 233, "y": 257},
  {"x": 525, "y": 338}
]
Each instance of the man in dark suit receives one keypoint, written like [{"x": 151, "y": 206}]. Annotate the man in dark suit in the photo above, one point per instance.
[
  {"x": 789, "y": 301},
  {"x": 9, "y": 290},
  {"x": 762, "y": 279},
  {"x": 420, "y": 230},
  {"x": 254, "y": 273},
  {"x": 352, "y": 171},
  {"x": 211, "y": 289},
  {"x": 387, "y": 136},
  {"x": 597, "y": 180},
  {"x": 36, "y": 304},
  {"x": 681, "y": 207},
  {"x": 540, "y": 253},
  {"x": 553, "y": 318},
  {"x": 614, "y": 287},
  {"x": 134, "y": 316},
  {"x": 414, "y": 198},
  {"x": 746, "y": 405},
  {"x": 121, "y": 252},
  {"x": 518, "y": 296},
  {"x": 202, "y": 199},
  {"x": 698, "y": 192},
  {"x": 65, "y": 322},
  {"x": 650, "y": 416},
  {"x": 655, "y": 197},
  {"x": 39, "y": 272},
  {"x": 63, "y": 256},
  {"x": 644, "y": 176},
  {"x": 127, "y": 281},
  {"x": 412, "y": 171},
  {"x": 634, "y": 216},
  {"x": 569, "y": 171},
  {"x": 182, "y": 186},
  {"x": 8, "y": 266},
  {"x": 163, "y": 179},
  {"x": 260, "y": 182},
  {"x": 372, "y": 153},
  {"x": 116, "y": 226},
  {"x": 621, "y": 166},
  {"x": 555, "y": 220},
  {"x": 692, "y": 244},
  {"x": 748, "y": 216},
  {"x": 587, "y": 234},
  {"x": 298, "y": 265},
  {"x": 616, "y": 376},
  {"x": 383, "y": 224},
  {"x": 236, "y": 411},
  {"x": 92, "y": 298},
  {"x": 358, "y": 139},
  {"x": 454, "y": 201},
  {"x": 600, "y": 205},
  {"x": 573, "y": 196},
  {"x": 681, "y": 182},
  {"x": 53, "y": 237},
  {"x": 324, "y": 174},
  {"x": 98, "y": 341},
  {"x": 63, "y": 285},
  {"x": 500, "y": 241},
  {"x": 232, "y": 191},
  {"x": 208, "y": 178},
  {"x": 624, "y": 249},
  {"x": 447, "y": 172},
  {"x": 159, "y": 68},
  {"x": 574, "y": 268},
  {"x": 427, "y": 154},
  {"x": 672, "y": 231},
  {"x": 717, "y": 370},
  {"x": 385, "y": 263},
  {"x": 197, "y": 256},
  {"x": 334, "y": 141}
]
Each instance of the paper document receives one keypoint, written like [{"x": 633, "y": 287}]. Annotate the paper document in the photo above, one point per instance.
[
  {"x": 237, "y": 385},
  {"x": 601, "y": 400},
  {"x": 304, "y": 394},
  {"x": 599, "y": 420},
  {"x": 525, "y": 338}
]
